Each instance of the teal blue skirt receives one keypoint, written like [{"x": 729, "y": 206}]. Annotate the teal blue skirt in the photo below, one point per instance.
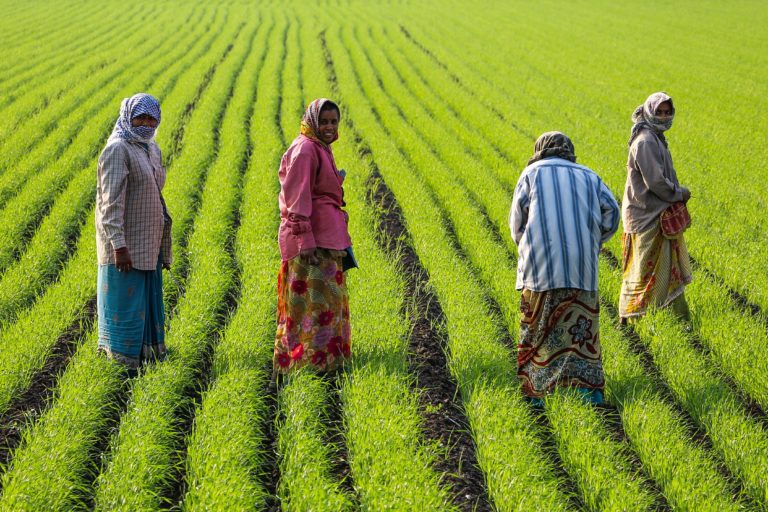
[{"x": 131, "y": 314}]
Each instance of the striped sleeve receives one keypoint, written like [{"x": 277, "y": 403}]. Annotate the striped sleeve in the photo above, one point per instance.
[
  {"x": 609, "y": 211},
  {"x": 518, "y": 215}
]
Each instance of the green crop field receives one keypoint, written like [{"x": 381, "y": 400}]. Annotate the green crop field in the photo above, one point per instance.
[{"x": 441, "y": 103}]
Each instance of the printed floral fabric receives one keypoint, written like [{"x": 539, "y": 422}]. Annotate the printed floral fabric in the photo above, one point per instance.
[
  {"x": 312, "y": 315},
  {"x": 656, "y": 271},
  {"x": 559, "y": 341}
]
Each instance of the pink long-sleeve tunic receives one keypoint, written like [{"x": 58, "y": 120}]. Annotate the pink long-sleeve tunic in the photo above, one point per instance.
[{"x": 311, "y": 200}]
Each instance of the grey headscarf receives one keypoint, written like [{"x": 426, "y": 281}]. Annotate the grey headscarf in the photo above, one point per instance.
[
  {"x": 553, "y": 144},
  {"x": 645, "y": 117}
]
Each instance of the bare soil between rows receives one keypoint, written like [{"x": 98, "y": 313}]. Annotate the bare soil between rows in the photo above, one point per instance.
[
  {"x": 444, "y": 420},
  {"x": 32, "y": 402}
]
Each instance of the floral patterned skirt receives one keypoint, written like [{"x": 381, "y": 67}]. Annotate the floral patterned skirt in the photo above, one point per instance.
[
  {"x": 656, "y": 271},
  {"x": 559, "y": 342},
  {"x": 312, "y": 315}
]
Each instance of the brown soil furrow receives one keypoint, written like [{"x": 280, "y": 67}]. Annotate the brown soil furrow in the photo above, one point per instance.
[
  {"x": 444, "y": 418},
  {"x": 25, "y": 409}
]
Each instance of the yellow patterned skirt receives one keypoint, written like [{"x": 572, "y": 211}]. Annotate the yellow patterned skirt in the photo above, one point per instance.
[
  {"x": 312, "y": 315},
  {"x": 656, "y": 271}
]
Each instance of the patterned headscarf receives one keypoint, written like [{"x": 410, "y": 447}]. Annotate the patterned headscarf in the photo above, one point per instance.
[
  {"x": 133, "y": 107},
  {"x": 553, "y": 144},
  {"x": 644, "y": 116},
  {"x": 310, "y": 122}
]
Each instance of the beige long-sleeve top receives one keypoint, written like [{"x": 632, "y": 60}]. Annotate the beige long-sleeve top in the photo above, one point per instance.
[
  {"x": 129, "y": 204},
  {"x": 652, "y": 184}
]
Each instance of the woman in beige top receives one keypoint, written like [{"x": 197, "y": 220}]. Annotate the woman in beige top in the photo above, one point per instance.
[
  {"x": 656, "y": 268},
  {"x": 133, "y": 237}
]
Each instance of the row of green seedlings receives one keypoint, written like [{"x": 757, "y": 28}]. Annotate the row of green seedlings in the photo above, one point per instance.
[
  {"x": 18, "y": 24},
  {"x": 23, "y": 280},
  {"x": 16, "y": 35},
  {"x": 503, "y": 427},
  {"x": 605, "y": 465},
  {"x": 719, "y": 317},
  {"x": 228, "y": 451},
  {"x": 66, "y": 420},
  {"x": 38, "y": 183},
  {"x": 40, "y": 101},
  {"x": 718, "y": 320},
  {"x": 27, "y": 64},
  {"x": 304, "y": 445},
  {"x": 26, "y": 82},
  {"x": 184, "y": 197},
  {"x": 33, "y": 186},
  {"x": 65, "y": 301},
  {"x": 729, "y": 260},
  {"x": 659, "y": 468},
  {"x": 306, "y": 481},
  {"x": 40, "y": 139},
  {"x": 502, "y": 221},
  {"x": 695, "y": 486},
  {"x": 737, "y": 438},
  {"x": 380, "y": 412},
  {"x": 146, "y": 452}
]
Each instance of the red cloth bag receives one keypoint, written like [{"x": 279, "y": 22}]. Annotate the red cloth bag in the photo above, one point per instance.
[{"x": 675, "y": 220}]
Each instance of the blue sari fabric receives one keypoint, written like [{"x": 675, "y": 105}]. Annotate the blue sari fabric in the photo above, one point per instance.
[{"x": 131, "y": 314}]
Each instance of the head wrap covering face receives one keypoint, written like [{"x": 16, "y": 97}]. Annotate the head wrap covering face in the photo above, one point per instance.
[
  {"x": 310, "y": 122},
  {"x": 551, "y": 144},
  {"x": 645, "y": 116},
  {"x": 133, "y": 107}
]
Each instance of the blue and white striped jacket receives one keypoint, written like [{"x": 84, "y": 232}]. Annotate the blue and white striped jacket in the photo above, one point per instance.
[{"x": 561, "y": 214}]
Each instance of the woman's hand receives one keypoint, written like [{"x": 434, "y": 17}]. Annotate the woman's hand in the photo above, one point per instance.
[
  {"x": 309, "y": 256},
  {"x": 166, "y": 265},
  {"x": 123, "y": 260},
  {"x": 686, "y": 195}
]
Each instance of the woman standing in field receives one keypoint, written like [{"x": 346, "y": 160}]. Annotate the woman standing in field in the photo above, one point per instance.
[
  {"x": 656, "y": 267},
  {"x": 313, "y": 308},
  {"x": 561, "y": 215},
  {"x": 133, "y": 237}
]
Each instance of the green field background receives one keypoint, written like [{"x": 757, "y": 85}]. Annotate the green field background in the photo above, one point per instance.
[{"x": 441, "y": 104}]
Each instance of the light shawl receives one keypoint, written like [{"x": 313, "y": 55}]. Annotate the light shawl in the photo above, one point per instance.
[
  {"x": 310, "y": 122},
  {"x": 551, "y": 144},
  {"x": 645, "y": 117},
  {"x": 130, "y": 108}
]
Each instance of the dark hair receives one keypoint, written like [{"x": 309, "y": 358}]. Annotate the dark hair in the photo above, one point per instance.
[{"x": 329, "y": 105}]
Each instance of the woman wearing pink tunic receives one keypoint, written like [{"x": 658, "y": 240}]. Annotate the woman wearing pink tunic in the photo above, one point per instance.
[{"x": 313, "y": 307}]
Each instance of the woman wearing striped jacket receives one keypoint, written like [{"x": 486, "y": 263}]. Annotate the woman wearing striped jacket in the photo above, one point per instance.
[{"x": 561, "y": 214}]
